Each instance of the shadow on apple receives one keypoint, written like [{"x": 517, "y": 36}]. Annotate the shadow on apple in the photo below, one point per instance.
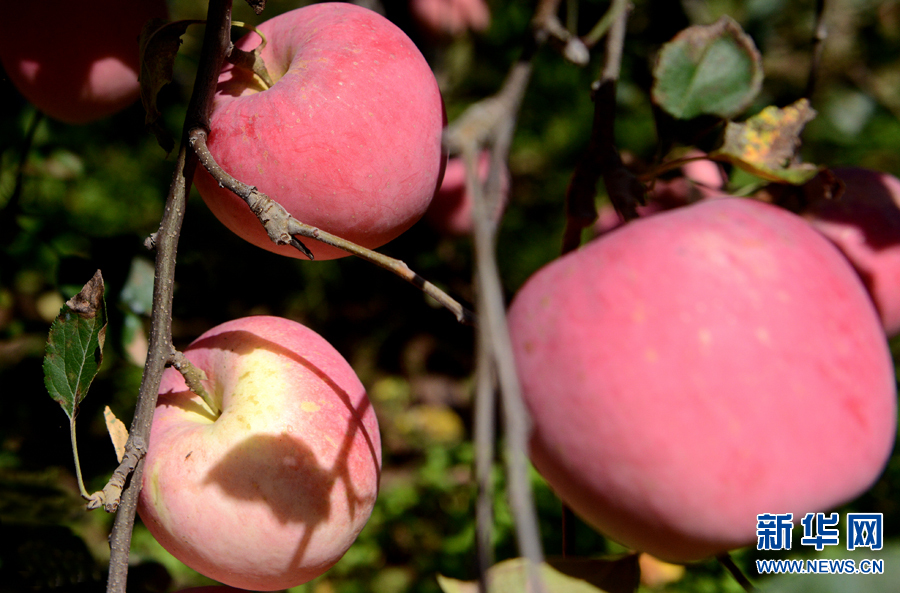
[{"x": 271, "y": 492}]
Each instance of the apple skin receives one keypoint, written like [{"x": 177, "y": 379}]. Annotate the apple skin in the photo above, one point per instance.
[
  {"x": 76, "y": 63},
  {"x": 450, "y": 212},
  {"x": 698, "y": 367},
  {"x": 271, "y": 493},
  {"x": 865, "y": 225},
  {"x": 348, "y": 139}
]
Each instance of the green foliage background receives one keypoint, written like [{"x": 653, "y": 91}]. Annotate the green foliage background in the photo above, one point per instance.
[{"x": 91, "y": 194}]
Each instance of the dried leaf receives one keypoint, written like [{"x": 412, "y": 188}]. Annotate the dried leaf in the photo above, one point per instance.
[
  {"x": 160, "y": 41},
  {"x": 767, "y": 144},
  {"x": 75, "y": 346},
  {"x": 708, "y": 70},
  {"x": 117, "y": 432}
]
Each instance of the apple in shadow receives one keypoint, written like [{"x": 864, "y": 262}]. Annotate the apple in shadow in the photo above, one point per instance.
[
  {"x": 864, "y": 223},
  {"x": 76, "y": 62}
]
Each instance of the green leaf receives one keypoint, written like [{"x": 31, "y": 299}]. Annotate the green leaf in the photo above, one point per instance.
[
  {"x": 708, "y": 70},
  {"x": 767, "y": 144},
  {"x": 75, "y": 346},
  {"x": 510, "y": 576},
  {"x": 159, "y": 46}
]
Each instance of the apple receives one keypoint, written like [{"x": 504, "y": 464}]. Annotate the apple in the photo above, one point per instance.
[
  {"x": 269, "y": 493},
  {"x": 348, "y": 139},
  {"x": 76, "y": 62},
  {"x": 450, "y": 18},
  {"x": 865, "y": 225},
  {"x": 450, "y": 212},
  {"x": 699, "y": 367}
]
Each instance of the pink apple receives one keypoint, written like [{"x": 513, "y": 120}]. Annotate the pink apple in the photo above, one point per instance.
[
  {"x": 451, "y": 18},
  {"x": 699, "y": 367},
  {"x": 348, "y": 139},
  {"x": 865, "y": 224},
  {"x": 76, "y": 62},
  {"x": 272, "y": 491},
  {"x": 450, "y": 212}
]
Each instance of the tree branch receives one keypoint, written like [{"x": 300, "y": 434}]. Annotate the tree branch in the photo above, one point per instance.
[
  {"x": 128, "y": 475},
  {"x": 820, "y": 34},
  {"x": 491, "y": 122},
  {"x": 282, "y": 229}
]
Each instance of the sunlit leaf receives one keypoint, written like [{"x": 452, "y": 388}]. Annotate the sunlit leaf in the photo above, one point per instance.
[
  {"x": 767, "y": 144},
  {"x": 510, "y": 576},
  {"x": 708, "y": 70},
  {"x": 75, "y": 346}
]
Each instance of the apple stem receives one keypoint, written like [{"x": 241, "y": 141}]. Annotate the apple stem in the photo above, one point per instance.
[
  {"x": 252, "y": 60},
  {"x": 78, "y": 476},
  {"x": 282, "y": 228},
  {"x": 193, "y": 378}
]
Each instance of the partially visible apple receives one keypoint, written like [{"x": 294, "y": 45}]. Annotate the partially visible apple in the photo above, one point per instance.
[
  {"x": 348, "y": 139},
  {"x": 451, "y": 18},
  {"x": 76, "y": 62},
  {"x": 271, "y": 492},
  {"x": 865, "y": 224},
  {"x": 450, "y": 212},
  {"x": 701, "y": 366}
]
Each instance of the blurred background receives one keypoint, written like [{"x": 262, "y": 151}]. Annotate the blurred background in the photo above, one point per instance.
[{"x": 91, "y": 194}]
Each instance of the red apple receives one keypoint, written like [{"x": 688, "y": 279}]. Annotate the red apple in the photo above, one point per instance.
[
  {"x": 348, "y": 139},
  {"x": 272, "y": 491},
  {"x": 74, "y": 61},
  {"x": 450, "y": 212},
  {"x": 865, "y": 224},
  {"x": 451, "y": 18},
  {"x": 699, "y": 367}
]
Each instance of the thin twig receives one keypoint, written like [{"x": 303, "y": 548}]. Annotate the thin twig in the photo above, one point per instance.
[
  {"x": 8, "y": 224},
  {"x": 728, "y": 562},
  {"x": 282, "y": 229},
  {"x": 491, "y": 122},
  {"x": 485, "y": 418},
  {"x": 129, "y": 474},
  {"x": 820, "y": 34},
  {"x": 548, "y": 28}
]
